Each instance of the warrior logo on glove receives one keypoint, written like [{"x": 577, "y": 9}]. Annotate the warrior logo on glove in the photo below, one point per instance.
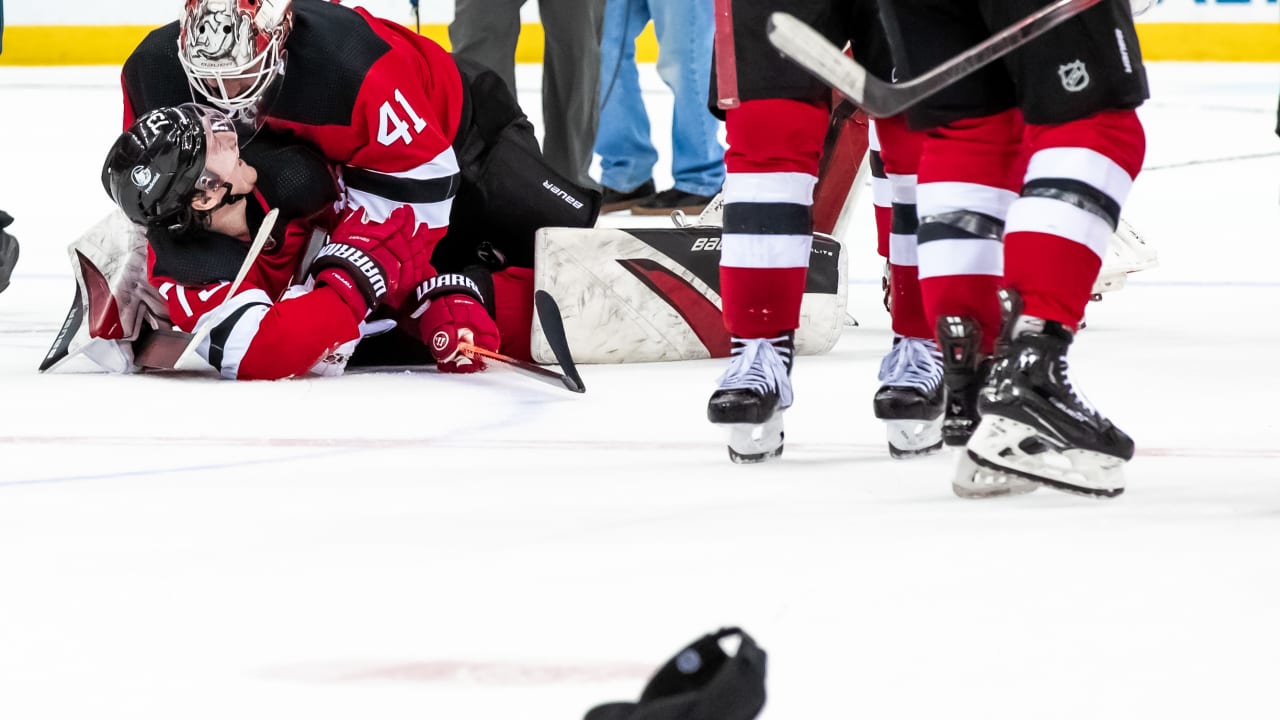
[{"x": 440, "y": 341}]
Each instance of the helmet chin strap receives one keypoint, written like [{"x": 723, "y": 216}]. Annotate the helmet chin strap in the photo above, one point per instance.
[{"x": 230, "y": 198}]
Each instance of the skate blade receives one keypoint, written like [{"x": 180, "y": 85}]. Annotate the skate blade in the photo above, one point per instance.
[
  {"x": 974, "y": 482},
  {"x": 750, "y": 444},
  {"x": 913, "y": 438},
  {"x": 997, "y": 445}
]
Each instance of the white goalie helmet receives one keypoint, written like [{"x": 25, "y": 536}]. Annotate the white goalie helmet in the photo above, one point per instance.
[{"x": 233, "y": 50}]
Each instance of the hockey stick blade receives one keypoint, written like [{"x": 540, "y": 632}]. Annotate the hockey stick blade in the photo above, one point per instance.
[
  {"x": 810, "y": 50},
  {"x": 528, "y": 368},
  {"x": 553, "y": 330}
]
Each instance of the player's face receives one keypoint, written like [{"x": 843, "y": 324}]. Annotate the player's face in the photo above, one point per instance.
[
  {"x": 223, "y": 166},
  {"x": 222, "y": 157}
]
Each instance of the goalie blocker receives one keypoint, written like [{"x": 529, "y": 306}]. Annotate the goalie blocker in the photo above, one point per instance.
[{"x": 653, "y": 294}]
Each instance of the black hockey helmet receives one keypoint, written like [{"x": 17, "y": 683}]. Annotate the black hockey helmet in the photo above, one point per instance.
[{"x": 157, "y": 165}]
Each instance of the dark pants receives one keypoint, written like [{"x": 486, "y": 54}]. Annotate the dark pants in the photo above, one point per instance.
[{"x": 486, "y": 31}]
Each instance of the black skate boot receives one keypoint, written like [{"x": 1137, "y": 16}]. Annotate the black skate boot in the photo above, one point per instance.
[
  {"x": 1034, "y": 424},
  {"x": 910, "y": 400},
  {"x": 964, "y": 372},
  {"x": 752, "y": 396}
]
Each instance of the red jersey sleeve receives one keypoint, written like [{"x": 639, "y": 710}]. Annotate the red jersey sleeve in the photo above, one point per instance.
[{"x": 253, "y": 338}]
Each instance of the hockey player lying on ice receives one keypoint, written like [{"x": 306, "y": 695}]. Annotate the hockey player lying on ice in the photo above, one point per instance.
[{"x": 178, "y": 172}]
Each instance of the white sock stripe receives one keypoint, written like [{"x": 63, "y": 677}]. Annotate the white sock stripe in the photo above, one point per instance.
[
  {"x": 765, "y": 251},
  {"x": 779, "y": 187},
  {"x": 1053, "y": 217},
  {"x": 939, "y": 197},
  {"x": 904, "y": 188},
  {"x": 941, "y": 258},
  {"x": 902, "y": 250},
  {"x": 1087, "y": 166},
  {"x": 881, "y": 192}
]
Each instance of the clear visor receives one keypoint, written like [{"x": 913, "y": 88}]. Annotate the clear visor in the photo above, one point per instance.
[{"x": 222, "y": 147}]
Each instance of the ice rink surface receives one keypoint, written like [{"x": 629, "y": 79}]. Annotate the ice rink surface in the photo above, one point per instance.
[{"x": 473, "y": 548}]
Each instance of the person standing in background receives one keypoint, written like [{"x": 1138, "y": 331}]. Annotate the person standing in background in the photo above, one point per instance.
[
  {"x": 685, "y": 31},
  {"x": 486, "y": 31}
]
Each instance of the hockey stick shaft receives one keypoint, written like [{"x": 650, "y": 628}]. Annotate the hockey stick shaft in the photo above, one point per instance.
[
  {"x": 725, "y": 57},
  {"x": 809, "y": 49},
  {"x": 159, "y": 351},
  {"x": 528, "y": 368}
]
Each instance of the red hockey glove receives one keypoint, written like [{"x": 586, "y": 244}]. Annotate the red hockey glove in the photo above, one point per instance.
[
  {"x": 368, "y": 262},
  {"x": 452, "y": 311}
]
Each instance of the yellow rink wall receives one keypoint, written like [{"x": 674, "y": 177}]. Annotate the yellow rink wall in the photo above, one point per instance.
[{"x": 110, "y": 45}]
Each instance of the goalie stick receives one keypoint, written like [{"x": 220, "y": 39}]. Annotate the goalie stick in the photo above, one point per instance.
[
  {"x": 810, "y": 50},
  {"x": 166, "y": 349}
]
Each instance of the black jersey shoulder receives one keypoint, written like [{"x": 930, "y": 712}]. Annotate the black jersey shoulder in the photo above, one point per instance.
[
  {"x": 196, "y": 257},
  {"x": 331, "y": 50},
  {"x": 152, "y": 75},
  {"x": 292, "y": 176}
]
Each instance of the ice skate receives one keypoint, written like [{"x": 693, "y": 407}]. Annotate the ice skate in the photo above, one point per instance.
[
  {"x": 964, "y": 371},
  {"x": 752, "y": 396},
  {"x": 1034, "y": 424},
  {"x": 910, "y": 398}
]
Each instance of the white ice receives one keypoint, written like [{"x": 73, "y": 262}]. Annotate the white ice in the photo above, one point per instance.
[{"x": 420, "y": 546}]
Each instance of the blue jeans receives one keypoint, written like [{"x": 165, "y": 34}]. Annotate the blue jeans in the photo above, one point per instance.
[{"x": 685, "y": 31}]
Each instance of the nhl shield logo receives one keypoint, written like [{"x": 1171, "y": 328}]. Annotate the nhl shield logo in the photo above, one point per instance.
[{"x": 1074, "y": 76}]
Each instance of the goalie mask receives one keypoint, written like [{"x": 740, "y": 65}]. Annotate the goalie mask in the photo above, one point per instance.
[
  {"x": 166, "y": 158},
  {"x": 233, "y": 50}
]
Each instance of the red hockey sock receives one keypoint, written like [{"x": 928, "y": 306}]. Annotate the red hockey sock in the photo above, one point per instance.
[
  {"x": 906, "y": 302},
  {"x": 1053, "y": 245},
  {"x": 761, "y": 302},
  {"x": 772, "y": 166}
]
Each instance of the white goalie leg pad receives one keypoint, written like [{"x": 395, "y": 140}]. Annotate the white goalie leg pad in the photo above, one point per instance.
[
  {"x": 113, "y": 297},
  {"x": 648, "y": 294},
  {"x": 1127, "y": 252},
  {"x": 997, "y": 445}
]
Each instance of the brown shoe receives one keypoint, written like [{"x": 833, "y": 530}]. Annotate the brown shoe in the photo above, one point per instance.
[
  {"x": 668, "y": 201},
  {"x": 615, "y": 200}
]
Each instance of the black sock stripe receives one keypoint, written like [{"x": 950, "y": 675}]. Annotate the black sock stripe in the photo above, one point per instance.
[
  {"x": 768, "y": 218},
  {"x": 905, "y": 220},
  {"x": 1078, "y": 193},
  {"x": 877, "y": 166},
  {"x": 960, "y": 224}
]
